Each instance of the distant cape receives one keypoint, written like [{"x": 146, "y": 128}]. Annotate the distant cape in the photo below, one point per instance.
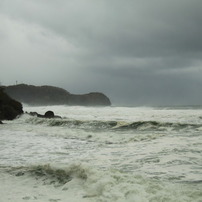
[{"x": 50, "y": 95}]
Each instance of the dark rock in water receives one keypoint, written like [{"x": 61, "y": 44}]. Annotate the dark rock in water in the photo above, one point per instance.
[
  {"x": 50, "y": 95},
  {"x": 9, "y": 108},
  {"x": 33, "y": 113},
  {"x": 49, "y": 114},
  {"x": 36, "y": 114},
  {"x": 1, "y": 122}
]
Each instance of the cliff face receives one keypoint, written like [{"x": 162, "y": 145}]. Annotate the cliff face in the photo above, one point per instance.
[
  {"x": 34, "y": 95},
  {"x": 9, "y": 108},
  {"x": 49, "y": 95}
]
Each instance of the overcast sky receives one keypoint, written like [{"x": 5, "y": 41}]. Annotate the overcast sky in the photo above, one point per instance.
[{"x": 137, "y": 52}]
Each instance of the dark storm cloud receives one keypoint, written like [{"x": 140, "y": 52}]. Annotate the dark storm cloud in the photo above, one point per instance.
[{"x": 135, "y": 51}]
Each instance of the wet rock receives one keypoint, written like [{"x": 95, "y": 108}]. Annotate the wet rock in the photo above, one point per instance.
[
  {"x": 9, "y": 108},
  {"x": 49, "y": 114},
  {"x": 33, "y": 113}
]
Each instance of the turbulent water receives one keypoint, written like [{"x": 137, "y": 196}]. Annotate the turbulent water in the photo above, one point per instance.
[{"x": 102, "y": 154}]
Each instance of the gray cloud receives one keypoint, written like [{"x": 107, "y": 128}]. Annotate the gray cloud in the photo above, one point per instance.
[{"x": 137, "y": 52}]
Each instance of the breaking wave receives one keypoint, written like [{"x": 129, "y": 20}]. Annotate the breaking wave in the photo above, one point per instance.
[
  {"x": 89, "y": 184},
  {"x": 115, "y": 125},
  {"x": 50, "y": 174}
]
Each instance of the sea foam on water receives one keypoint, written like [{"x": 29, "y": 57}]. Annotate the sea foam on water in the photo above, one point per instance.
[{"x": 102, "y": 154}]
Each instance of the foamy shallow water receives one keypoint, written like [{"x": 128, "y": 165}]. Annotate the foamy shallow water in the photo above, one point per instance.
[{"x": 102, "y": 154}]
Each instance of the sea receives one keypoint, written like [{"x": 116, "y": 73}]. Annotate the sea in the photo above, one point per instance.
[{"x": 102, "y": 154}]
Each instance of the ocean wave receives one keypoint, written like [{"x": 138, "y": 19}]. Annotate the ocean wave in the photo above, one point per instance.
[
  {"x": 115, "y": 125},
  {"x": 80, "y": 182},
  {"x": 154, "y": 125},
  {"x": 50, "y": 174}
]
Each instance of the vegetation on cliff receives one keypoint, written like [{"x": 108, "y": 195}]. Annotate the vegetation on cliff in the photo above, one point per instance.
[{"x": 49, "y": 95}]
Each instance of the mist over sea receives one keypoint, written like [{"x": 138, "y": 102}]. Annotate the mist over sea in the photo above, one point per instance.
[{"x": 102, "y": 154}]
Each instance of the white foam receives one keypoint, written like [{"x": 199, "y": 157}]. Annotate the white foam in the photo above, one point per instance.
[
  {"x": 128, "y": 114},
  {"x": 126, "y": 165},
  {"x": 108, "y": 185}
]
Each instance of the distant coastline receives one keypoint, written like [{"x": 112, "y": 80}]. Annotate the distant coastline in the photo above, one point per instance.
[{"x": 51, "y": 95}]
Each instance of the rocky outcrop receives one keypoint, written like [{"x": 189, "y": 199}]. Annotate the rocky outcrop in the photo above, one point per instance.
[
  {"x": 48, "y": 114},
  {"x": 49, "y": 95},
  {"x": 9, "y": 108}
]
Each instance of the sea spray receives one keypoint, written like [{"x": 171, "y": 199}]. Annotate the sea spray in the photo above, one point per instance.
[
  {"x": 102, "y": 154},
  {"x": 115, "y": 125},
  {"x": 109, "y": 185}
]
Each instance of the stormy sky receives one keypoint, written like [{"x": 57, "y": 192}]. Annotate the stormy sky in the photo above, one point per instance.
[{"x": 137, "y": 52}]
